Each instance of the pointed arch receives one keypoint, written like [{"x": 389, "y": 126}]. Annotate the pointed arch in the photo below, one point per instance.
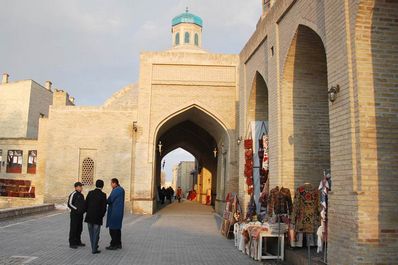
[
  {"x": 197, "y": 130},
  {"x": 257, "y": 109},
  {"x": 305, "y": 112},
  {"x": 192, "y": 106}
]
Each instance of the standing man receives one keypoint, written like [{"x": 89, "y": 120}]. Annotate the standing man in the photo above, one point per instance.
[
  {"x": 115, "y": 215},
  {"x": 77, "y": 206},
  {"x": 96, "y": 208}
]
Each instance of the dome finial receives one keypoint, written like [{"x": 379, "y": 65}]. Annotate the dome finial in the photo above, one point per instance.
[{"x": 186, "y": 9}]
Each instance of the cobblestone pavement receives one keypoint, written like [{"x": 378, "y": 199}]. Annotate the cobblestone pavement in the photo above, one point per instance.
[{"x": 185, "y": 233}]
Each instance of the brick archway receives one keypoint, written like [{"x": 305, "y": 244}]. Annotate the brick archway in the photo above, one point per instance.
[
  {"x": 306, "y": 133},
  {"x": 198, "y": 132}
]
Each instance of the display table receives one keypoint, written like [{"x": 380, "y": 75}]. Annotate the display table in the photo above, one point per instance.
[
  {"x": 268, "y": 255},
  {"x": 250, "y": 237}
]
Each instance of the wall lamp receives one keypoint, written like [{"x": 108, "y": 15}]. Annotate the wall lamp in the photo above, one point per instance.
[
  {"x": 215, "y": 152},
  {"x": 239, "y": 140},
  {"x": 135, "y": 126},
  {"x": 333, "y": 93}
]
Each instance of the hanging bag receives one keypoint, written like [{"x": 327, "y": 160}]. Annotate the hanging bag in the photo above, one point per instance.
[
  {"x": 249, "y": 181},
  {"x": 248, "y": 172},
  {"x": 248, "y": 155},
  {"x": 248, "y": 143},
  {"x": 248, "y": 169}
]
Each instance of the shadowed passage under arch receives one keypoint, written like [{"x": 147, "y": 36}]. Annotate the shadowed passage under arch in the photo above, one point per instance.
[{"x": 198, "y": 133}]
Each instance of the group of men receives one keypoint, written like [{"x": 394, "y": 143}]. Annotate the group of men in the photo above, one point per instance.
[
  {"x": 165, "y": 194},
  {"x": 95, "y": 207}
]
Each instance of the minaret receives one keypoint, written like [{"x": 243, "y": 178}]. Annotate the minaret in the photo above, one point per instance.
[{"x": 187, "y": 31}]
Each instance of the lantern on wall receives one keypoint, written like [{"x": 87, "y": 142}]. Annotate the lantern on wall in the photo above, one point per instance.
[
  {"x": 160, "y": 147},
  {"x": 215, "y": 152},
  {"x": 333, "y": 93}
]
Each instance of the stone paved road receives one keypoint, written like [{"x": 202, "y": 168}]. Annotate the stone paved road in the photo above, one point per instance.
[{"x": 185, "y": 233}]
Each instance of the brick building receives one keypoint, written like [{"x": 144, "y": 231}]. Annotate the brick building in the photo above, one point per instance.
[
  {"x": 300, "y": 51},
  {"x": 322, "y": 74}
]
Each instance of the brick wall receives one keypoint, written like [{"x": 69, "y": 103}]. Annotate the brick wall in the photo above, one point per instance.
[
  {"x": 375, "y": 73},
  {"x": 39, "y": 103},
  {"x": 73, "y": 133},
  {"x": 14, "y": 108},
  {"x": 305, "y": 111},
  {"x": 360, "y": 46}
]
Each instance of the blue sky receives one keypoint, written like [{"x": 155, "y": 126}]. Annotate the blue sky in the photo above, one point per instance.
[{"x": 91, "y": 48}]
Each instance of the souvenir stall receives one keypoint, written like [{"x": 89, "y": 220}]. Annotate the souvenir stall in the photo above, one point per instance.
[
  {"x": 231, "y": 215},
  {"x": 265, "y": 239},
  {"x": 285, "y": 219},
  {"x": 262, "y": 232},
  {"x": 272, "y": 216},
  {"x": 309, "y": 217},
  {"x": 256, "y": 156}
]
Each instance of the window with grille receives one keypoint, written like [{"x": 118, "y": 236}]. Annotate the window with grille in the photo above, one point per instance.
[{"x": 87, "y": 173}]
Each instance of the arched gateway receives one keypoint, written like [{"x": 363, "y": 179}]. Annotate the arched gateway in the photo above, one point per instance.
[
  {"x": 205, "y": 137},
  {"x": 187, "y": 99}
]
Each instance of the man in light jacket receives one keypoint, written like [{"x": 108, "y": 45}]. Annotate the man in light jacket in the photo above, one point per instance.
[
  {"x": 96, "y": 209},
  {"x": 115, "y": 215}
]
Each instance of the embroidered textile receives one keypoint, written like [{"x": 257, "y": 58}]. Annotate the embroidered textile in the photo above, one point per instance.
[
  {"x": 279, "y": 201},
  {"x": 306, "y": 214}
]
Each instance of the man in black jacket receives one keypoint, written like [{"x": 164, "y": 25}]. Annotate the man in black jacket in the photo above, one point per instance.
[
  {"x": 96, "y": 208},
  {"x": 77, "y": 206}
]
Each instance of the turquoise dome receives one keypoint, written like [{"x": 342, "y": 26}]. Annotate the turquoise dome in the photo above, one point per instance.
[{"x": 187, "y": 18}]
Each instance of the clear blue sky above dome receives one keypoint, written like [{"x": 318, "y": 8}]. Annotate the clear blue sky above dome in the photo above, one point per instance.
[{"x": 91, "y": 48}]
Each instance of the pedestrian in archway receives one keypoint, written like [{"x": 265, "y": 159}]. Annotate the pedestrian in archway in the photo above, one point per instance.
[
  {"x": 77, "y": 208},
  {"x": 179, "y": 194},
  {"x": 115, "y": 215},
  {"x": 96, "y": 209},
  {"x": 169, "y": 194},
  {"x": 163, "y": 195}
]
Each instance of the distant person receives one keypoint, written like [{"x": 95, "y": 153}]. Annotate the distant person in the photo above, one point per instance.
[
  {"x": 163, "y": 195},
  {"x": 169, "y": 193},
  {"x": 172, "y": 193},
  {"x": 96, "y": 208},
  {"x": 77, "y": 207},
  {"x": 179, "y": 194},
  {"x": 115, "y": 215}
]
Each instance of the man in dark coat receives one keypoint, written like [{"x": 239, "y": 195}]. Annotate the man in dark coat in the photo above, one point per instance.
[
  {"x": 77, "y": 207},
  {"x": 115, "y": 215},
  {"x": 96, "y": 208}
]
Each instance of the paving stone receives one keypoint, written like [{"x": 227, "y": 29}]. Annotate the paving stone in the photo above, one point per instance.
[{"x": 186, "y": 233}]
